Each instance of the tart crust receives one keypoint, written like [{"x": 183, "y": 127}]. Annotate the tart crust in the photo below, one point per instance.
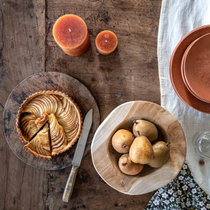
[{"x": 41, "y": 119}]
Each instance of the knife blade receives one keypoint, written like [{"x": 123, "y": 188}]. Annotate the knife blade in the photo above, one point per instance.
[{"x": 78, "y": 156}]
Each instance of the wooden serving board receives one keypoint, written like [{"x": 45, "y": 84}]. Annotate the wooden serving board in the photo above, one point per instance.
[
  {"x": 46, "y": 81},
  {"x": 105, "y": 158}
]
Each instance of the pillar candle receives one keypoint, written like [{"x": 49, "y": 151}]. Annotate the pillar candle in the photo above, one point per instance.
[
  {"x": 71, "y": 34},
  {"x": 106, "y": 42}
]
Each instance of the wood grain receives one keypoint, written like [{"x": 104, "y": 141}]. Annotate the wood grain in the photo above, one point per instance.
[
  {"x": 22, "y": 53},
  {"x": 39, "y": 82},
  {"x": 105, "y": 158},
  {"x": 130, "y": 73}
]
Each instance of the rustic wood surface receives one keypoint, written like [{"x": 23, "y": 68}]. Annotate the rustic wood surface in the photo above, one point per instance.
[
  {"x": 39, "y": 82},
  {"x": 149, "y": 179},
  {"x": 130, "y": 73}
]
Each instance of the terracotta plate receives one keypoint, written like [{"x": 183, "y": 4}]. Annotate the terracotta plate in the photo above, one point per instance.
[
  {"x": 184, "y": 74},
  {"x": 197, "y": 67},
  {"x": 183, "y": 70},
  {"x": 175, "y": 70}
]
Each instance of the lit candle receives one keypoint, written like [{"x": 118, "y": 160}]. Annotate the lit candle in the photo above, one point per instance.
[
  {"x": 106, "y": 42},
  {"x": 71, "y": 34}
]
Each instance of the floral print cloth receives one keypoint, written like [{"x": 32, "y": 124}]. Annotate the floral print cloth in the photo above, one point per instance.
[{"x": 181, "y": 193}]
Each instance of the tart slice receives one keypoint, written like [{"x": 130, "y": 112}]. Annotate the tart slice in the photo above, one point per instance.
[
  {"x": 30, "y": 125},
  {"x": 40, "y": 144},
  {"x": 57, "y": 135}
]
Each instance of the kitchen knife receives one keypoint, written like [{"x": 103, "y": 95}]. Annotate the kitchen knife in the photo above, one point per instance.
[{"x": 78, "y": 156}]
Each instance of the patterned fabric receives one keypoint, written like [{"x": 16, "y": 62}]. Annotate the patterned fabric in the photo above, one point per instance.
[{"x": 181, "y": 193}]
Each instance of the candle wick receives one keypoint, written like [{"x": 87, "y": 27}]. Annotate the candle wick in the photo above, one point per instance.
[{"x": 69, "y": 30}]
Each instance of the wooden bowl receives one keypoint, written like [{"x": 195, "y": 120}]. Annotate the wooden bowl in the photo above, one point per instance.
[
  {"x": 197, "y": 67},
  {"x": 105, "y": 158},
  {"x": 175, "y": 70}
]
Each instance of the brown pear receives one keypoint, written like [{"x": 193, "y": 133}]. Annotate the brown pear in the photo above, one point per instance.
[
  {"x": 122, "y": 140},
  {"x": 145, "y": 128},
  {"x": 141, "y": 150},
  {"x": 128, "y": 167},
  {"x": 161, "y": 154}
]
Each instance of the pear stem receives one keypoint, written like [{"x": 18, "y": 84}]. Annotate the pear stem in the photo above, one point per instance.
[
  {"x": 167, "y": 144},
  {"x": 123, "y": 164},
  {"x": 138, "y": 133}
]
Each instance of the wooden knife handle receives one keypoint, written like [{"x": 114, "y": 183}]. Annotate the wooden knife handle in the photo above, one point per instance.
[{"x": 70, "y": 184}]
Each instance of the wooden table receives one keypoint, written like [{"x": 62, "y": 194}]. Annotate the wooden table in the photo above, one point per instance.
[{"x": 130, "y": 73}]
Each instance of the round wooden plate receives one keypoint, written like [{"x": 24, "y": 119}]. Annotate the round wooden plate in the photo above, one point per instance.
[
  {"x": 105, "y": 158},
  {"x": 175, "y": 70},
  {"x": 46, "y": 81}
]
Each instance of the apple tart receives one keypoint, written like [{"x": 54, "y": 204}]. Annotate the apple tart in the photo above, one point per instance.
[{"x": 49, "y": 122}]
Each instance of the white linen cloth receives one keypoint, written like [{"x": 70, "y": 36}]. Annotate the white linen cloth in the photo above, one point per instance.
[{"x": 177, "y": 18}]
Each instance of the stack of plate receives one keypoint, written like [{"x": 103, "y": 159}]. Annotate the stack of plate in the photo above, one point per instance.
[{"x": 190, "y": 69}]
